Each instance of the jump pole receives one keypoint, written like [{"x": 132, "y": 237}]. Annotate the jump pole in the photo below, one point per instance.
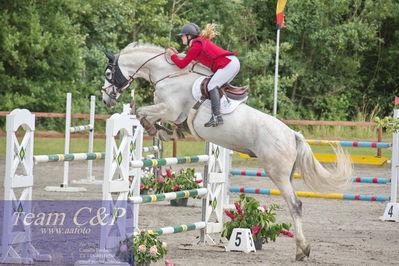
[
  {"x": 179, "y": 228},
  {"x": 391, "y": 212},
  {"x": 355, "y": 179},
  {"x": 310, "y": 194}
]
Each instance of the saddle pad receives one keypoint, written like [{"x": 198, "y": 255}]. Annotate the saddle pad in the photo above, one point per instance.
[{"x": 226, "y": 106}]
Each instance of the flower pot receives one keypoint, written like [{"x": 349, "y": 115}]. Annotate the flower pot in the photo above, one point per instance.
[
  {"x": 144, "y": 191},
  {"x": 258, "y": 244},
  {"x": 179, "y": 202}
]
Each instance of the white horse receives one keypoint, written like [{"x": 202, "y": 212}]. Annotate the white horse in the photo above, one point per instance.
[{"x": 279, "y": 149}]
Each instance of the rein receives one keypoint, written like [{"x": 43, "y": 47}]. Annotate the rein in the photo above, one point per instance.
[
  {"x": 175, "y": 74},
  {"x": 112, "y": 95}
]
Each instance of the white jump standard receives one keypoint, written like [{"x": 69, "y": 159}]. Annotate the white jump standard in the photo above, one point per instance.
[
  {"x": 16, "y": 242},
  {"x": 116, "y": 190}
]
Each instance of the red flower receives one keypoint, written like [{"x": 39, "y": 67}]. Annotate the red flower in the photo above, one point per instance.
[
  {"x": 176, "y": 188},
  {"x": 238, "y": 208},
  {"x": 160, "y": 180},
  {"x": 141, "y": 186},
  {"x": 198, "y": 181},
  {"x": 289, "y": 234},
  {"x": 232, "y": 217},
  {"x": 256, "y": 229},
  {"x": 169, "y": 174}
]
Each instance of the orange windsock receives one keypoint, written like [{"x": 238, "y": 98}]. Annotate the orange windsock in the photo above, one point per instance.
[{"x": 280, "y": 13}]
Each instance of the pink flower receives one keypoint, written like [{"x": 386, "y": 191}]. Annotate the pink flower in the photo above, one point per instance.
[
  {"x": 169, "y": 174},
  {"x": 153, "y": 250},
  {"x": 160, "y": 172},
  {"x": 232, "y": 217},
  {"x": 123, "y": 248},
  {"x": 198, "y": 181},
  {"x": 256, "y": 229},
  {"x": 176, "y": 188},
  {"x": 142, "y": 248},
  {"x": 238, "y": 208},
  {"x": 141, "y": 186},
  {"x": 286, "y": 233},
  {"x": 160, "y": 180},
  {"x": 265, "y": 208},
  {"x": 168, "y": 263}
]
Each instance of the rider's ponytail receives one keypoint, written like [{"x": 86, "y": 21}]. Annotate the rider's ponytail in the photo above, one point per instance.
[{"x": 209, "y": 32}]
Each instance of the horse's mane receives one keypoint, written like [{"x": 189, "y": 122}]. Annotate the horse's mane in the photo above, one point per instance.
[{"x": 143, "y": 47}]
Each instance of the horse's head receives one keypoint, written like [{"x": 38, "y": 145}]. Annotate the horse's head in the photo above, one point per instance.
[{"x": 115, "y": 82}]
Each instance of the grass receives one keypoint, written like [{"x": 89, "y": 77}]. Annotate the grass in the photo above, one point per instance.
[
  {"x": 56, "y": 145},
  {"x": 184, "y": 148}
]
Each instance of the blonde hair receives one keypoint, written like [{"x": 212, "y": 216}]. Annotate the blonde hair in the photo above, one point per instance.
[{"x": 209, "y": 32}]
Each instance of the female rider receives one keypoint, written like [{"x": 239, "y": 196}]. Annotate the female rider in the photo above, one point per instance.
[{"x": 223, "y": 63}]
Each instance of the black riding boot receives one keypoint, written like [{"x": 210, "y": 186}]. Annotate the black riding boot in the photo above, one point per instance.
[{"x": 216, "y": 118}]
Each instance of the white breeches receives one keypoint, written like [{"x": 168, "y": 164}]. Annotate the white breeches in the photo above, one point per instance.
[{"x": 226, "y": 74}]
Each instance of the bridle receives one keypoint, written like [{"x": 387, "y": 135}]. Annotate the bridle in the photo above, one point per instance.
[{"x": 118, "y": 81}]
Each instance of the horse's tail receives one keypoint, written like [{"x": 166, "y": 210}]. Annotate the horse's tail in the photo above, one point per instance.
[{"x": 318, "y": 177}]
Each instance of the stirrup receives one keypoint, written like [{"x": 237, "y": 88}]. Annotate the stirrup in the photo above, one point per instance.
[{"x": 214, "y": 121}]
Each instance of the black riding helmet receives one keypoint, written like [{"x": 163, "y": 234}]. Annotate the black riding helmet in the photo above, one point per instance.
[{"x": 190, "y": 29}]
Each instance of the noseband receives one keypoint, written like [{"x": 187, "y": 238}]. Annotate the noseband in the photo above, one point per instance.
[{"x": 118, "y": 81}]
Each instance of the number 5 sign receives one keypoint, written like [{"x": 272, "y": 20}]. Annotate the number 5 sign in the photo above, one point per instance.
[{"x": 241, "y": 240}]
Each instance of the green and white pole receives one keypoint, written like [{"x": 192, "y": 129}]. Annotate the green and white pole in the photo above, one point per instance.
[
  {"x": 68, "y": 157},
  {"x": 178, "y": 229},
  {"x": 169, "y": 161},
  {"x": 169, "y": 196}
]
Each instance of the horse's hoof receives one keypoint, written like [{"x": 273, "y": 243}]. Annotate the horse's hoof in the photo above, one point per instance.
[
  {"x": 302, "y": 253},
  {"x": 307, "y": 250},
  {"x": 163, "y": 135},
  {"x": 300, "y": 257}
]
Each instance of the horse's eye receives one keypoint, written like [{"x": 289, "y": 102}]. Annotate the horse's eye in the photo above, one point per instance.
[{"x": 108, "y": 73}]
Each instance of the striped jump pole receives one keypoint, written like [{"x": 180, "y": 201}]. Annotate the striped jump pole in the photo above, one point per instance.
[
  {"x": 178, "y": 229},
  {"x": 359, "y": 144},
  {"x": 255, "y": 173},
  {"x": 376, "y": 180},
  {"x": 169, "y": 161},
  {"x": 169, "y": 196},
  {"x": 81, "y": 128},
  {"x": 68, "y": 157},
  {"x": 150, "y": 148},
  {"x": 356, "y": 179},
  {"x": 311, "y": 194}
]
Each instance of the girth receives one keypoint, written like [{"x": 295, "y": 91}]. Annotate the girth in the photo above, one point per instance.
[{"x": 231, "y": 92}]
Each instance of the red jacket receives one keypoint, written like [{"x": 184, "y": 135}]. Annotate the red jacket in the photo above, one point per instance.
[{"x": 205, "y": 52}]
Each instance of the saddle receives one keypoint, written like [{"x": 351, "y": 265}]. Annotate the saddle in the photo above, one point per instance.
[{"x": 231, "y": 92}]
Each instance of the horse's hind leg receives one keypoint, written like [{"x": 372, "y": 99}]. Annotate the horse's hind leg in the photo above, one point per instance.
[{"x": 282, "y": 180}]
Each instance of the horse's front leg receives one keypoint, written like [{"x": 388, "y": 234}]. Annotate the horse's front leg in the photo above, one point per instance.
[
  {"x": 148, "y": 115},
  {"x": 154, "y": 113}
]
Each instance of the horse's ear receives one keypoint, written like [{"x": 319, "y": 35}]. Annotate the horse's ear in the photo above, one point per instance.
[{"x": 110, "y": 56}]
